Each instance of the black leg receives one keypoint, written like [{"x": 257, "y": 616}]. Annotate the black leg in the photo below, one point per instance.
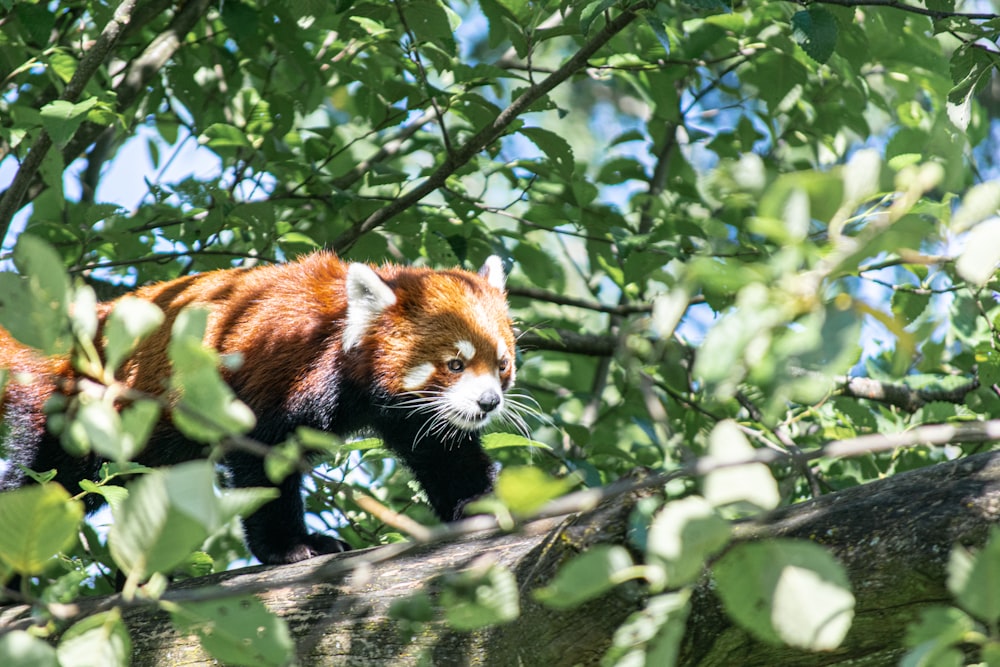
[
  {"x": 451, "y": 473},
  {"x": 276, "y": 533}
]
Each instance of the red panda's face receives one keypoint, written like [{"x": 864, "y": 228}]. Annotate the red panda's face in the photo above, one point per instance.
[{"x": 440, "y": 341}]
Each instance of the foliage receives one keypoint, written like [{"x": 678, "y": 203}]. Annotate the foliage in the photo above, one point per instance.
[{"x": 715, "y": 212}]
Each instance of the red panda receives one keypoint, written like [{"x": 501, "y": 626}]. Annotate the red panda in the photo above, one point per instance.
[{"x": 422, "y": 358}]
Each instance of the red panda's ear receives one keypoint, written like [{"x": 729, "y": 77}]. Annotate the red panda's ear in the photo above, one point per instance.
[
  {"x": 367, "y": 297},
  {"x": 492, "y": 270}
]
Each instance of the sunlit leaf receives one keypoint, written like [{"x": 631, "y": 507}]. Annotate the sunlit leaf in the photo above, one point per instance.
[
  {"x": 751, "y": 484},
  {"x": 18, "y": 648},
  {"x": 683, "y": 536},
  {"x": 586, "y": 576},
  {"x": 525, "y": 489},
  {"x": 36, "y": 523},
  {"x": 237, "y": 631},
  {"x": 786, "y": 591},
  {"x": 479, "y": 597},
  {"x": 101, "y": 639}
]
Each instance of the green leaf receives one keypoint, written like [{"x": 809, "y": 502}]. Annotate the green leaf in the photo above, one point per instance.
[
  {"x": 525, "y": 489},
  {"x": 112, "y": 493},
  {"x": 786, "y": 591},
  {"x": 61, "y": 118},
  {"x": 101, "y": 639},
  {"x": 978, "y": 261},
  {"x": 479, "y": 597},
  {"x": 555, "y": 148},
  {"x": 131, "y": 320},
  {"x": 36, "y": 523},
  {"x": 169, "y": 513},
  {"x": 909, "y": 305},
  {"x": 208, "y": 409},
  {"x": 20, "y": 649},
  {"x": 683, "y": 536},
  {"x": 33, "y": 306},
  {"x": 223, "y": 136},
  {"x": 975, "y": 579},
  {"x": 778, "y": 78},
  {"x": 493, "y": 441},
  {"x": 63, "y": 65},
  {"x": 148, "y": 535},
  {"x": 653, "y": 635},
  {"x": 740, "y": 485},
  {"x": 971, "y": 70},
  {"x": 815, "y": 30},
  {"x": 980, "y": 202},
  {"x": 430, "y": 22},
  {"x": 932, "y": 639},
  {"x": 237, "y": 631},
  {"x": 586, "y": 576}
]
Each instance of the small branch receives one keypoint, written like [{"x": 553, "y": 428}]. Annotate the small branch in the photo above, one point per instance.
[
  {"x": 786, "y": 441},
  {"x": 929, "y": 434},
  {"x": 901, "y": 396},
  {"x": 902, "y": 6},
  {"x": 593, "y": 345},
  {"x": 559, "y": 299},
  {"x": 418, "y": 531}
]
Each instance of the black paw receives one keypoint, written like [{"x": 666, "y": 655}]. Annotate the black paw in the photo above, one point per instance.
[{"x": 311, "y": 545}]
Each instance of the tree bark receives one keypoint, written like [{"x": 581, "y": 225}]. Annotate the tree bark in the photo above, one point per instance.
[{"x": 893, "y": 536}]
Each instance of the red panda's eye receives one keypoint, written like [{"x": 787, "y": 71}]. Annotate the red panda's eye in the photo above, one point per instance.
[
  {"x": 502, "y": 365},
  {"x": 456, "y": 365}
]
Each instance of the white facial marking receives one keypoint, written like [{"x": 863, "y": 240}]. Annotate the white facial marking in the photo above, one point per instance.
[
  {"x": 466, "y": 350},
  {"x": 501, "y": 349},
  {"x": 418, "y": 376},
  {"x": 462, "y": 400}
]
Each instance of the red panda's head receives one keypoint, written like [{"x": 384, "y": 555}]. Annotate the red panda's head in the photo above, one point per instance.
[{"x": 441, "y": 341}]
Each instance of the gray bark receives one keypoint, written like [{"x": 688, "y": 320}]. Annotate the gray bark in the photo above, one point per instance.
[{"x": 893, "y": 536}]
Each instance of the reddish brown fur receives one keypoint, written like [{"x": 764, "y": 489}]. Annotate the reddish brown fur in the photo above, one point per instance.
[{"x": 286, "y": 321}]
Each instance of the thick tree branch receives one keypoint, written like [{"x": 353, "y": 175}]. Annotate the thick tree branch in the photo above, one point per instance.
[{"x": 892, "y": 536}]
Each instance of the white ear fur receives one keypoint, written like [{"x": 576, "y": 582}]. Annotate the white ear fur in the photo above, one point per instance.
[
  {"x": 492, "y": 270},
  {"x": 367, "y": 297}
]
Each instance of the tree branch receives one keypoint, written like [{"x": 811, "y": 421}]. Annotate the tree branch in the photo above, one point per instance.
[
  {"x": 892, "y": 536},
  {"x": 135, "y": 80},
  {"x": 487, "y": 135},
  {"x": 562, "y": 300},
  {"x": 902, "y": 6},
  {"x": 901, "y": 396},
  {"x": 12, "y": 198}
]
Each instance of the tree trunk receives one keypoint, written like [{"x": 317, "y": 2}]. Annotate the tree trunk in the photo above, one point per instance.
[{"x": 893, "y": 536}]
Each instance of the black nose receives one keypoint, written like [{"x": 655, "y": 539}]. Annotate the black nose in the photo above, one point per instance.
[{"x": 488, "y": 401}]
